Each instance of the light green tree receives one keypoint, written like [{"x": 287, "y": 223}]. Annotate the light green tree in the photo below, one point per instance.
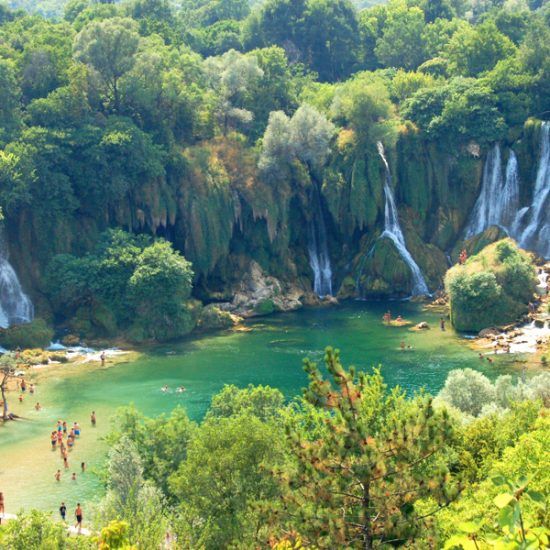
[{"x": 109, "y": 47}]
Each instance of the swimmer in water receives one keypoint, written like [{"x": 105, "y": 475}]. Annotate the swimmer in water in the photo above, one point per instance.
[
  {"x": 58, "y": 475},
  {"x": 38, "y": 406},
  {"x": 164, "y": 388},
  {"x": 180, "y": 389}
]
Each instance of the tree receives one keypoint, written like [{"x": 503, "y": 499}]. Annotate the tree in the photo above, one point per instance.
[
  {"x": 158, "y": 289},
  {"x": 10, "y": 93},
  {"x": 468, "y": 391},
  {"x": 401, "y": 43},
  {"x": 261, "y": 402},
  {"x": 227, "y": 474},
  {"x": 363, "y": 103},
  {"x": 131, "y": 499},
  {"x": 474, "y": 50},
  {"x": 356, "y": 482},
  {"x": 306, "y": 137},
  {"x": 8, "y": 365},
  {"x": 160, "y": 442},
  {"x": 109, "y": 47},
  {"x": 231, "y": 75}
]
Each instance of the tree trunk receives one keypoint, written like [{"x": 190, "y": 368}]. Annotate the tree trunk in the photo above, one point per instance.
[
  {"x": 367, "y": 526},
  {"x": 4, "y": 400}
]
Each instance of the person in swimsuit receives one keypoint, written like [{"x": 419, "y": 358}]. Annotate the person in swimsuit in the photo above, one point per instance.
[
  {"x": 21, "y": 398},
  {"x": 53, "y": 439},
  {"x": 78, "y": 514},
  {"x": 1, "y": 506},
  {"x": 23, "y": 385},
  {"x": 65, "y": 462},
  {"x": 73, "y": 477},
  {"x": 63, "y": 511},
  {"x": 58, "y": 475},
  {"x": 93, "y": 418},
  {"x": 64, "y": 427},
  {"x": 83, "y": 466},
  {"x": 31, "y": 389},
  {"x": 102, "y": 357},
  {"x": 76, "y": 429},
  {"x": 70, "y": 442},
  {"x": 59, "y": 426},
  {"x": 59, "y": 437},
  {"x": 38, "y": 406}
]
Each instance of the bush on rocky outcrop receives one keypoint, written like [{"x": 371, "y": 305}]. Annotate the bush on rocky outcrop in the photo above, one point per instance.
[{"x": 493, "y": 287}]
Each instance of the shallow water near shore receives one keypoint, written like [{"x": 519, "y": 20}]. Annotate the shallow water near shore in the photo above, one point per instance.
[{"x": 270, "y": 353}]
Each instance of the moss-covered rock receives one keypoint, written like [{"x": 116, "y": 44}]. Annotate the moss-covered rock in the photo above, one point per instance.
[
  {"x": 492, "y": 288},
  {"x": 212, "y": 317},
  {"x": 36, "y": 334}
]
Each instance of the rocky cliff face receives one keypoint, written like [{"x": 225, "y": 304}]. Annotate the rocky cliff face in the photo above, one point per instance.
[{"x": 219, "y": 212}]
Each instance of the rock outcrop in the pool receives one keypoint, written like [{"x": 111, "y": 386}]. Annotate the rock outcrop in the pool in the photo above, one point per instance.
[{"x": 493, "y": 287}]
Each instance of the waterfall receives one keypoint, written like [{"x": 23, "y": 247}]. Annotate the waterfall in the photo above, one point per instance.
[
  {"x": 15, "y": 306},
  {"x": 319, "y": 258},
  {"x": 499, "y": 197},
  {"x": 392, "y": 230},
  {"x": 532, "y": 224}
]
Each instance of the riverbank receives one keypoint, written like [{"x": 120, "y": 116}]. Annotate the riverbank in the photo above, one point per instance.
[{"x": 270, "y": 353}]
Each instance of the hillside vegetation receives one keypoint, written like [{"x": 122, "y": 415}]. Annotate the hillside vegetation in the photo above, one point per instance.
[{"x": 229, "y": 131}]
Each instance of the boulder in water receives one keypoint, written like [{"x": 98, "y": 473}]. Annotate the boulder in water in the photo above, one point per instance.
[
  {"x": 489, "y": 332},
  {"x": 212, "y": 317}
]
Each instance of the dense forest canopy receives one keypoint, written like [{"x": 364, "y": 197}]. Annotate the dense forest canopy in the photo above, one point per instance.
[{"x": 212, "y": 123}]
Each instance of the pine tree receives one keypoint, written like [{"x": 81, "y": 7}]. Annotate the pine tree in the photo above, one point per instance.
[{"x": 356, "y": 482}]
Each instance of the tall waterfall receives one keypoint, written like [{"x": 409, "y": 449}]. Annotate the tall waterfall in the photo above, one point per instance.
[
  {"x": 499, "y": 197},
  {"x": 15, "y": 306},
  {"x": 319, "y": 258},
  {"x": 532, "y": 224},
  {"x": 392, "y": 230}
]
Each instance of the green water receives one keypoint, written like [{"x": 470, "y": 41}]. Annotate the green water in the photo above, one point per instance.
[{"x": 271, "y": 353}]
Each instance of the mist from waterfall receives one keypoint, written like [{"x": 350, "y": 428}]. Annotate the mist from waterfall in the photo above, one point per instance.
[
  {"x": 532, "y": 224},
  {"x": 319, "y": 257},
  {"x": 15, "y": 306},
  {"x": 392, "y": 230},
  {"x": 498, "y": 200}
]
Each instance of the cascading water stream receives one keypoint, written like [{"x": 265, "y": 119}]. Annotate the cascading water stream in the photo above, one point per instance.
[
  {"x": 319, "y": 258},
  {"x": 499, "y": 197},
  {"x": 392, "y": 230},
  {"x": 532, "y": 225},
  {"x": 15, "y": 306}
]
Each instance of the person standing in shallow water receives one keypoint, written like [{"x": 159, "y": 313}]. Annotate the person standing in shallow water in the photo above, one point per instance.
[
  {"x": 93, "y": 418},
  {"x": 442, "y": 323},
  {"x": 63, "y": 511},
  {"x": 1, "y": 506},
  {"x": 78, "y": 515}
]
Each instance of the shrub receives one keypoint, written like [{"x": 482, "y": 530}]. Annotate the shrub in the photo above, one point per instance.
[
  {"x": 36, "y": 334},
  {"x": 492, "y": 288}
]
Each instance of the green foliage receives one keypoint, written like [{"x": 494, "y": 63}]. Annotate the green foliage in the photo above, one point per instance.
[
  {"x": 37, "y": 531},
  {"x": 401, "y": 43},
  {"x": 225, "y": 476},
  {"x": 474, "y": 50},
  {"x": 261, "y": 402},
  {"x": 494, "y": 287},
  {"x": 357, "y": 482},
  {"x": 146, "y": 285},
  {"x": 131, "y": 499},
  {"x": 36, "y": 334}
]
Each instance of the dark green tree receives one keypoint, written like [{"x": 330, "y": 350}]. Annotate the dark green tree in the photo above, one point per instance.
[{"x": 355, "y": 484}]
